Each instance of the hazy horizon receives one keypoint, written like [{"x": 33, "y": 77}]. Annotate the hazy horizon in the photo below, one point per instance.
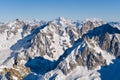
[{"x": 107, "y": 10}]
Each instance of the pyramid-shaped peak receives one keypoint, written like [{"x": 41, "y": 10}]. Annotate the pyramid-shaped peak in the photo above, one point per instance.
[{"x": 61, "y": 19}]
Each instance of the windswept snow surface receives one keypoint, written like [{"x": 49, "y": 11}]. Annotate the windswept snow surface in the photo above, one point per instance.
[
  {"x": 6, "y": 55},
  {"x": 79, "y": 73},
  {"x": 65, "y": 56}
]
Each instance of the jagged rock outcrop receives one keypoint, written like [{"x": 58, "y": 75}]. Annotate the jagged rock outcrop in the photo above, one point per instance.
[
  {"x": 17, "y": 72},
  {"x": 58, "y": 47}
]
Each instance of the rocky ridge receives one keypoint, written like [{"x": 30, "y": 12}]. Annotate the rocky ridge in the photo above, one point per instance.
[{"x": 48, "y": 50}]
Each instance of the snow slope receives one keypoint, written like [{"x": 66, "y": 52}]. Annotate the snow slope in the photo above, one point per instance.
[{"x": 60, "y": 49}]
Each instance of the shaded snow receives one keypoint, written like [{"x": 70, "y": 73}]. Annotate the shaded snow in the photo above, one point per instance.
[
  {"x": 33, "y": 76},
  {"x": 111, "y": 72},
  {"x": 59, "y": 45},
  {"x": 4, "y": 55},
  {"x": 79, "y": 73}
]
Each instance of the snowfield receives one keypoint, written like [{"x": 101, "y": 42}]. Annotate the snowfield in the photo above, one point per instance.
[{"x": 60, "y": 49}]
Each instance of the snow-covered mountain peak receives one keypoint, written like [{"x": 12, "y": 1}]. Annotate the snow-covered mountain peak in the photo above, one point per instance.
[
  {"x": 62, "y": 22},
  {"x": 13, "y": 23},
  {"x": 58, "y": 49},
  {"x": 61, "y": 19},
  {"x": 95, "y": 21},
  {"x": 115, "y": 24},
  {"x": 35, "y": 22}
]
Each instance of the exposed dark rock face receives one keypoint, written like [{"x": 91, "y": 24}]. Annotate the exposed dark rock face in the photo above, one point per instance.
[
  {"x": 87, "y": 26},
  {"x": 61, "y": 45}
]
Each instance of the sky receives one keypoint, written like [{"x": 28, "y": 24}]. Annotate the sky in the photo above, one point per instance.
[{"x": 108, "y": 10}]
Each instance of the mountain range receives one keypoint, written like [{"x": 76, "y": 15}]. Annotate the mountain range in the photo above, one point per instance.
[{"x": 60, "y": 49}]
